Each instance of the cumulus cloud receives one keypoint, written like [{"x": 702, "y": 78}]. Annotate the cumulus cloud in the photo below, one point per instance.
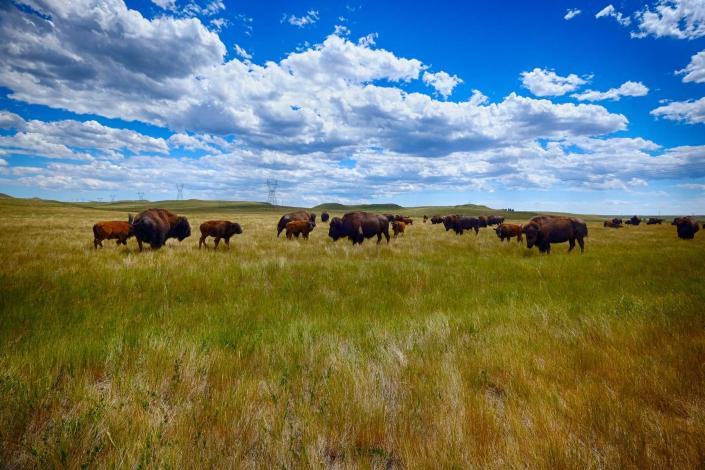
[
  {"x": 680, "y": 19},
  {"x": 691, "y": 111},
  {"x": 10, "y": 120},
  {"x": 571, "y": 13},
  {"x": 615, "y": 94},
  {"x": 165, "y": 4},
  {"x": 695, "y": 70},
  {"x": 442, "y": 82},
  {"x": 543, "y": 82},
  {"x": 610, "y": 11},
  {"x": 310, "y": 17}
]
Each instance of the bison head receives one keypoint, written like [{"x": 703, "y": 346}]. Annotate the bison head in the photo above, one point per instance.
[
  {"x": 533, "y": 234},
  {"x": 335, "y": 230},
  {"x": 312, "y": 219},
  {"x": 181, "y": 228},
  {"x": 325, "y": 216},
  {"x": 234, "y": 229}
]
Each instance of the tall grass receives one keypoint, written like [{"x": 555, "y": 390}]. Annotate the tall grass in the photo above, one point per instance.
[{"x": 433, "y": 351}]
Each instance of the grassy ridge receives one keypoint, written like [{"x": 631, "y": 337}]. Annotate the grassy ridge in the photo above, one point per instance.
[{"x": 434, "y": 351}]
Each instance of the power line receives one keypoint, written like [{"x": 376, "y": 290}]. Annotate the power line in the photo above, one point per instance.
[
  {"x": 272, "y": 191},
  {"x": 180, "y": 192},
  {"x": 140, "y": 195}
]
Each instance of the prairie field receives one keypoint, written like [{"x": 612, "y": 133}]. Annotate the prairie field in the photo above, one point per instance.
[{"x": 434, "y": 351}]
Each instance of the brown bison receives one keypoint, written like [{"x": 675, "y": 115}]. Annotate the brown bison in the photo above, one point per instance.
[
  {"x": 686, "y": 227},
  {"x": 405, "y": 219},
  {"x": 156, "y": 226},
  {"x": 494, "y": 220},
  {"x": 633, "y": 221},
  {"x": 297, "y": 215},
  {"x": 482, "y": 220},
  {"x": 461, "y": 223},
  {"x": 325, "y": 216},
  {"x": 507, "y": 231},
  {"x": 436, "y": 219},
  {"x": 398, "y": 227},
  {"x": 546, "y": 229},
  {"x": 611, "y": 224},
  {"x": 617, "y": 221},
  {"x": 112, "y": 230},
  {"x": 299, "y": 227},
  {"x": 218, "y": 229},
  {"x": 425, "y": 218},
  {"x": 359, "y": 225},
  {"x": 654, "y": 221}
]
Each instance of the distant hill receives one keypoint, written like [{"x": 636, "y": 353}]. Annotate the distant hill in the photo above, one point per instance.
[
  {"x": 334, "y": 206},
  {"x": 5, "y": 196}
]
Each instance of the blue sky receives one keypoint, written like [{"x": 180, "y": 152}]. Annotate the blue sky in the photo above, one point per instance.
[{"x": 515, "y": 105}]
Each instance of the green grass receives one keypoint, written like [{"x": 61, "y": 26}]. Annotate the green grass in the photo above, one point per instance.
[{"x": 434, "y": 351}]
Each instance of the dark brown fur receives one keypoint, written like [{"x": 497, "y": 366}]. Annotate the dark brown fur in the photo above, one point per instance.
[
  {"x": 546, "y": 229},
  {"x": 299, "y": 227},
  {"x": 218, "y": 229},
  {"x": 507, "y": 231},
  {"x": 111, "y": 230}
]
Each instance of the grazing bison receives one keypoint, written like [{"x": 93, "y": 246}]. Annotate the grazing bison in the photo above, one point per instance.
[
  {"x": 507, "y": 231},
  {"x": 685, "y": 227},
  {"x": 654, "y": 221},
  {"x": 482, "y": 221},
  {"x": 398, "y": 227},
  {"x": 425, "y": 218},
  {"x": 611, "y": 224},
  {"x": 325, "y": 216},
  {"x": 297, "y": 215},
  {"x": 461, "y": 223},
  {"x": 436, "y": 219},
  {"x": 617, "y": 221},
  {"x": 359, "y": 225},
  {"x": 156, "y": 226},
  {"x": 546, "y": 229},
  {"x": 403, "y": 218},
  {"x": 494, "y": 220},
  {"x": 633, "y": 221},
  {"x": 112, "y": 230},
  {"x": 299, "y": 227},
  {"x": 218, "y": 229}
]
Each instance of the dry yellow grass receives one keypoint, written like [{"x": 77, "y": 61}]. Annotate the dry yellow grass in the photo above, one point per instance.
[{"x": 433, "y": 351}]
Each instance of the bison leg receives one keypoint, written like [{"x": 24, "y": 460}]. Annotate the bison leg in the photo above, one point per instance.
[
  {"x": 379, "y": 237},
  {"x": 571, "y": 242},
  {"x": 217, "y": 240},
  {"x": 227, "y": 241},
  {"x": 202, "y": 241},
  {"x": 581, "y": 242},
  {"x": 95, "y": 243},
  {"x": 477, "y": 230}
]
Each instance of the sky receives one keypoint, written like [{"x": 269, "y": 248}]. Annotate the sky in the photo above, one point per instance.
[{"x": 585, "y": 107}]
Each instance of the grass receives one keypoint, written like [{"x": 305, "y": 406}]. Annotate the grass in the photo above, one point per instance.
[{"x": 433, "y": 351}]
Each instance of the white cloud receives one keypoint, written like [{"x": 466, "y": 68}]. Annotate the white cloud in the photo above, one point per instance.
[
  {"x": 165, "y": 4},
  {"x": 241, "y": 52},
  {"x": 3, "y": 162},
  {"x": 543, "y": 82},
  {"x": 571, "y": 13},
  {"x": 610, "y": 11},
  {"x": 691, "y": 112},
  {"x": 680, "y": 19},
  {"x": 341, "y": 30},
  {"x": 442, "y": 82},
  {"x": 628, "y": 88},
  {"x": 309, "y": 18},
  {"x": 695, "y": 70},
  {"x": 694, "y": 186},
  {"x": 10, "y": 120}
]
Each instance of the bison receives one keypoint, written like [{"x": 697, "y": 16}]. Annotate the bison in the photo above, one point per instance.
[
  {"x": 297, "y": 215},
  {"x": 494, "y": 220},
  {"x": 425, "y": 218},
  {"x": 398, "y": 227},
  {"x": 218, "y": 229},
  {"x": 654, "y": 221},
  {"x": 325, "y": 216},
  {"x": 611, "y": 224},
  {"x": 111, "y": 230},
  {"x": 507, "y": 231},
  {"x": 156, "y": 226},
  {"x": 633, "y": 221},
  {"x": 461, "y": 223},
  {"x": 436, "y": 219},
  {"x": 686, "y": 227},
  {"x": 482, "y": 220},
  {"x": 359, "y": 225},
  {"x": 546, "y": 229},
  {"x": 299, "y": 227},
  {"x": 403, "y": 218},
  {"x": 617, "y": 221}
]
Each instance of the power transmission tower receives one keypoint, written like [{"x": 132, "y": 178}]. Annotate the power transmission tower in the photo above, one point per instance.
[
  {"x": 112, "y": 198},
  {"x": 140, "y": 195},
  {"x": 272, "y": 191},
  {"x": 180, "y": 192}
]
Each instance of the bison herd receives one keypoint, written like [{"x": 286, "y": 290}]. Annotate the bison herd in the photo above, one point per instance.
[{"x": 156, "y": 226}]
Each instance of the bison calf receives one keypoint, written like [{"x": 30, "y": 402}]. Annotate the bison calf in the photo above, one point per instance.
[
  {"x": 110, "y": 231},
  {"x": 507, "y": 231},
  {"x": 299, "y": 227},
  {"x": 398, "y": 227},
  {"x": 218, "y": 229}
]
